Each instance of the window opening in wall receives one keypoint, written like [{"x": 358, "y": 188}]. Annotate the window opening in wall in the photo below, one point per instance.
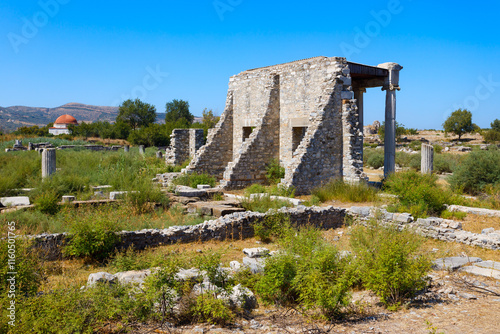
[
  {"x": 247, "y": 131},
  {"x": 298, "y": 134}
]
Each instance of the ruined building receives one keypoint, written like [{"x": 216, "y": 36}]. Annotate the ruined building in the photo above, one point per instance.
[{"x": 307, "y": 113}]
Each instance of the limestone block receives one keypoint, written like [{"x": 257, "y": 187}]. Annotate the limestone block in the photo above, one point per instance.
[
  {"x": 133, "y": 276},
  {"x": 453, "y": 263},
  {"x": 203, "y": 186},
  {"x": 101, "y": 277},
  {"x": 488, "y": 230},
  {"x": 242, "y": 297},
  {"x": 481, "y": 271},
  {"x": 68, "y": 199},
  {"x": 488, "y": 265},
  {"x": 256, "y": 265},
  {"x": 189, "y": 192},
  {"x": 117, "y": 194},
  {"x": 188, "y": 274},
  {"x": 235, "y": 265},
  {"x": 224, "y": 210},
  {"x": 363, "y": 211},
  {"x": 256, "y": 252},
  {"x": 15, "y": 201}
]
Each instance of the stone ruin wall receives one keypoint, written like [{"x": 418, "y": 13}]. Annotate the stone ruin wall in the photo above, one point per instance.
[
  {"x": 293, "y": 112},
  {"x": 183, "y": 145},
  {"x": 215, "y": 155}
]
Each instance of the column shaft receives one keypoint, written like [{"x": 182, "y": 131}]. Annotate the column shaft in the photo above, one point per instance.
[{"x": 390, "y": 132}]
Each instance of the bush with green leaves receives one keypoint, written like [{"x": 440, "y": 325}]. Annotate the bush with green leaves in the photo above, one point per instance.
[
  {"x": 476, "y": 171},
  {"x": 92, "y": 239},
  {"x": 274, "y": 171},
  {"x": 308, "y": 271},
  {"x": 208, "y": 308},
  {"x": 375, "y": 160},
  {"x": 271, "y": 226},
  {"x": 263, "y": 203},
  {"x": 339, "y": 190},
  {"x": 194, "y": 179},
  {"x": 389, "y": 262},
  {"x": 47, "y": 203},
  {"x": 418, "y": 194}
]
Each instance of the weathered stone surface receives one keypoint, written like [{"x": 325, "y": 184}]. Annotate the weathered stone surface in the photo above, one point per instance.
[
  {"x": 48, "y": 162},
  {"x": 203, "y": 186},
  {"x": 256, "y": 265},
  {"x": 184, "y": 145},
  {"x": 15, "y": 201},
  {"x": 101, "y": 277},
  {"x": 488, "y": 265},
  {"x": 185, "y": 191},
  {"x": 475, "y": 211},
  {"x": 68, "y": 199},
  {"x": 256, "y": 252},
  {"x": 242, "y": 297},
  {"x": 117, "y": 194},
  {"x": 187, "y": 274},
  {"x": 453, "y": 263},
  {"x": 480, "y": 271},
  {"x": 133, "y": 276}
]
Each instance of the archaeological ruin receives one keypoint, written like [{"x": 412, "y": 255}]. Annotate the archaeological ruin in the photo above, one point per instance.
[{"x": 308, "y": 114}]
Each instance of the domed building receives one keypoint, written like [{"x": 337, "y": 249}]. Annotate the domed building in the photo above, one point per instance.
[{"x": 61, "y": 125}]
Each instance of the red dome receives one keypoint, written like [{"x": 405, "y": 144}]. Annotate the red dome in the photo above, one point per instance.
[{"x": 66, "y": 119}]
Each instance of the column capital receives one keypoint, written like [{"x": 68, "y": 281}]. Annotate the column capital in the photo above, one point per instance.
[{"x": 392, "y": 80}]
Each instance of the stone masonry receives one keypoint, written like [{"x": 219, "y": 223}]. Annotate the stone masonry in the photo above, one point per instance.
[
  {"x": 303, "y": 113},
  {"x": 184, "y": 143}
]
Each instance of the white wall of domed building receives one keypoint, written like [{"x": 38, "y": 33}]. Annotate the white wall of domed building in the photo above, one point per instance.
[{"x": 61, "y": 125}]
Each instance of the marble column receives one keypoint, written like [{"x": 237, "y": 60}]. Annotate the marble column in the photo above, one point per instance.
[{"x": 48, "y": 162}]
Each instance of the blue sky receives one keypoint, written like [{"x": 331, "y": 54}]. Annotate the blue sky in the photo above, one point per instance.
[{"x": 103, "y": 52}]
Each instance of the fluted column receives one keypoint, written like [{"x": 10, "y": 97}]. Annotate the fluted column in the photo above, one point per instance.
[
  {"x": 48, "y": 162},
  {"x": 427, "y": 161}
]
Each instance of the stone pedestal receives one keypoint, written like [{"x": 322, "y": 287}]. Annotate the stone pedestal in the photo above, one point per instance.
[
  {"x": 126, "y": 148},
  {"x": 68, "y": 199},
  {"x": 48, "y": 162},
  {"x": 159, "y": 155},
  {"x": 141, "y": 149},
  {"x": 427, "y": 161}
]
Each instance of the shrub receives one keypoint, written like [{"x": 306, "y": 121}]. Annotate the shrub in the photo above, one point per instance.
[
  {"x": 389, "y": 263},
  {"x": 263, "y": 203},
  {"x": 255, "y": 188},
  {"x": 208, "y": 308},
  {"x": 308, "y": 271},
  {"x": 144, "y": 197},
  {"x": 94, "y": 240},
  {"x": 438, "y": 149},
  {"x": 210, "y": 263},
  {"x": 477, "y": 170},
  {"x": 376, "y": 160},
  {"x": 27, "y": 265},
  {"x": 272, "y": 225},
  {"x": 445, "y": 163},
  {"x": 274, "y": 172},
  {"x": 193, "y": 180},
  {"x": 419, "y": 194},
  {"x": 491, "y": 136},
  {"x": 47, "y": 203},
  {"x": 337, "y": 189}
]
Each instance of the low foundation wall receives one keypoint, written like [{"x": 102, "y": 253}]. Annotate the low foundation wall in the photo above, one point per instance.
[{"x": 234, "y": 226}]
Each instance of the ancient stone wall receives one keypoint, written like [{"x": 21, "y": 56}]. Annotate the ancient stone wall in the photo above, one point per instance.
[
  {"x": 213, "y": 157},
  {"x": 262, "y": 145},
  {"x": 353, "y": 143},
  {"x": 183, "y": 145}
]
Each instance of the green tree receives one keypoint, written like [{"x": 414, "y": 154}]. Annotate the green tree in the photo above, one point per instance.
[
  {"x": 177, "y": 109},
  {"x": 208, "y": 122},
  {"x": 400, "y": 130},
  {"x": 495, "y": 125},
  {"x": 136, "y": 113},
  {"x": 459, "y": 122}
]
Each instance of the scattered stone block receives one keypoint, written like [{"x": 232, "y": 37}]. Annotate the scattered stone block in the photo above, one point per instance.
[
  {"x": 223, "y": 210},
  {"x": 363, "y": 211},
  {"x": 133, "y": 276},
  {"x": 185, "y": 191},
  {"x": 101, "y": 277},
  {"x": 15, "y": 201},
  {"x": 454, "y": 263},
  {"x": 235, "y": 265},
  {"x": 203, "y": 186},
  {"x": 187, "y": 274},
  {"x": 242, "y": 297},
  {"x": 68, "y": 199},
  {"x": 117, "y": 194},
  {"x": 488, "y": 265},
  {"x": 256, "y": 252},
  {"x": 256, "y": 265}
]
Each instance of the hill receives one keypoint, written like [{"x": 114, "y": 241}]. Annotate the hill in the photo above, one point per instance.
[{"x": 16, "y": 116}]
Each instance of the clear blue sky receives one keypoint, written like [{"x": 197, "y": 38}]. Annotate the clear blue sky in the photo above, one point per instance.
[{"x": 102, "y": 52}]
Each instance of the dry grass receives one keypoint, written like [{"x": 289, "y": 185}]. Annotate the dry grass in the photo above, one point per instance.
[{"x": 476, "y": 223}]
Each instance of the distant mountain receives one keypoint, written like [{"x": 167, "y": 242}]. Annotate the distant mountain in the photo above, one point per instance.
[{"x": 13, "y": 117}]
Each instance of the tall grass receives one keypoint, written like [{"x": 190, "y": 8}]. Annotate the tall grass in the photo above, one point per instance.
[{"x": 338, "y": 190}]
